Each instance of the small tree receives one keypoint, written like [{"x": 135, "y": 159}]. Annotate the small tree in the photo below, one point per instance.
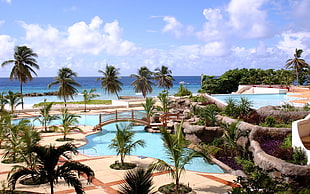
[
  {"x": 88, "y": 96},
  {"x": 139, "y": 181},
  {"x": 13, "y": 100},
  {"x": 149, "y": 107},
  {"x": 3, "y": 101},
  {"x": 67, "y": 123},
  {"x": 48, "y": 168},
  {"x": 46, "y": 118},
  {"x": 123, "y": 142},
  {"x": 178, "y": 153},
  {"x": 164, "y": 101},
  {"x": 208, "y": 114}
]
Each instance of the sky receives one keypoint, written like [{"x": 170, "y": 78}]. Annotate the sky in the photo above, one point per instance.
[{"x": 190, "y": 37}]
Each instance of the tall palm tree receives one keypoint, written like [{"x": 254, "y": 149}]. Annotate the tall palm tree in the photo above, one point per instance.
[
  {"x": 123, "y": 142},
  {"x": 163, "y": 77},
  {"x": 142, "y": 82},
  {"x": 110, "y": 80},
  {"x": 46, "y": 118},
  {"x": 24, "y": 61},
  {"x": 48, "y": 168},
  {"x": 296, "y": 63},
  {"x": 88, "y": 96},
  {"x": 66, "y": 83}
]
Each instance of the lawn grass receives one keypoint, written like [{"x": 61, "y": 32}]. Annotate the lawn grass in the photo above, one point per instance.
[{"x": 79, "y": 102}]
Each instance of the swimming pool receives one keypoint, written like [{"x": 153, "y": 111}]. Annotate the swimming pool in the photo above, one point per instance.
[
  {"x": 98, "y": 144},
  {"x": 259, "y": 100}
]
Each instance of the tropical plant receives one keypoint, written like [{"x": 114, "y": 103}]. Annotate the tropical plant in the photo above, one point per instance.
[
  {"x": 123, "y": 142},
  {"x": 3, "y": 101},
  {"x": 66, "y": 84},
  {"x": 149, "y": 107},
  {"x": 230, "y": 108},
  {"x": 68, "y": 123},
  {"x": 257, "y": 181},
  {"x": 164, "y": 101},
  {"x": 183, "y": 91},
  {"x": 297, "y": 63},
  {"x": 110, "y": 80},
  {"x": 163, "y": 77},
  {"x": 48, "y": 168},
  {"x": 88, "y": 96},
  {"x": 16, "y": 141},
  {"x": 244, "y": 107},
  {"x": 208, "y": 114},
  {"x": 13, "y": 100},
  {"x": 299, "y": 156},
  {"x": 46, "y": 118},
  {"x": 178, "y": 154},
  {"x": 24, "y": 61},
  {"x": 142, "y": 82},
  {"x": 5, "y": 122},
  {"x": 138, "y": 180},
  {"x": 29, "y": 138}
]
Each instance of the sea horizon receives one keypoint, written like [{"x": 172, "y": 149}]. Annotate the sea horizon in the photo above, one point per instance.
[{"x": 39, "y": 85}]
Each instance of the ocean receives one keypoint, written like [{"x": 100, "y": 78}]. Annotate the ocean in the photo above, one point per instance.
[{"x": 39, "y": 85}]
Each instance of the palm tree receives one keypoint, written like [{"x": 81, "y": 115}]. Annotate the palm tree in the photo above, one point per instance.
[
  {"x": 88, "y": 96},
  {"x": 139, "y": 181},
  {"x": 24, "y": 61},
  {"x": 46, "y": 118},
  {"x": 67, "y": 123},
  {"x": 13, "y": 145},
  {"x": 148, "y": 108},
  {"x": 164, "y": 101},
  {"x": 110, "y": 80},
  {"x": 179, "y": 155},
  {"x": 66, "y": 83},
  {"x": 13, "y": 100},
  {"x": 297, "y": 64},
  {"x": 142, "y": 82},
  {"x": 48, "y": 168},
  {"x": 163, "y": 77},
  {"x": 3, "y": 101},
  {"x": 123, "y": 142}
]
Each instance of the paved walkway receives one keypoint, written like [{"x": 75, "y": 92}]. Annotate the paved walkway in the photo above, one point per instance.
[{"x": 108, "y": 180}]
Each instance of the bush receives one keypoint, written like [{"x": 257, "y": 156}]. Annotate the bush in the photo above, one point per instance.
[
  {"x": 299, "y": 156},
  {"x": 183, "y": 91}
]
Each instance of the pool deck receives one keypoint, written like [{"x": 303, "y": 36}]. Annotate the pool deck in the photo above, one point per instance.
[
  {"x": 108, "y": 180},
  {"x": 303, "y": 93}
]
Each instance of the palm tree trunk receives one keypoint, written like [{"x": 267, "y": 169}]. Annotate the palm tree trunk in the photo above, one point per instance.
[
  {"x": 21, "y": 94},
  {"x": 117, "y": 95}
]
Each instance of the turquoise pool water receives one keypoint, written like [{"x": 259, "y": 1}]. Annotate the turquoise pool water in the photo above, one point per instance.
[
  {"x": 259, "y": 100},
  {"x": 98, "y": 144}
]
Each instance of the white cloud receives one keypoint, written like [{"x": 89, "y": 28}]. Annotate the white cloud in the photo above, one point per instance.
[
  {"x": 173, "y": 26},
  {"x": 80, "y": 37},
  {"x": 215, "y": 49},
  {"x": 292, "y": 40},
  {"x": 248, "y": 19},
  {"x": 214, "y": 28},
  {"x": 7, "y": 1}
]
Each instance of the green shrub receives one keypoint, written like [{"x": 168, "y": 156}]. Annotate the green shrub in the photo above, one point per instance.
[
  {"x": 287, "y": 143},
  {"x": 299, "y": 156},
  {"x": 183, "y": 91}
]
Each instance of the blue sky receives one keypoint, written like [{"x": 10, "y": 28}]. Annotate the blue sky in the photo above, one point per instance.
[{"x": 190, "y": 37}]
